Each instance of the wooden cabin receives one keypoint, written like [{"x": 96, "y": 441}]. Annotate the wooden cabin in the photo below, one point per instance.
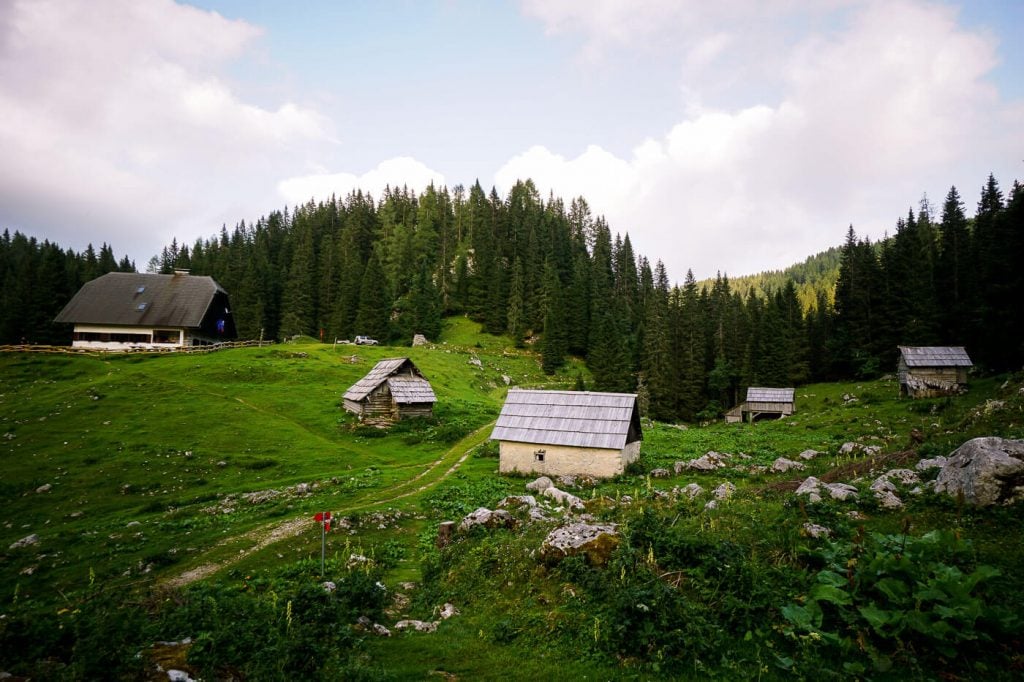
[
  {"x": 764, "y": 402},
  {"x": 554, "y": 433},
  {"x": 130, "y": 310},
  {"x": 932, "y": 371},
  {"x": 394, "y": 389}
]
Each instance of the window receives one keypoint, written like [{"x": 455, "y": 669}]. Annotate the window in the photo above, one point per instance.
[
  {"x": 538, "y": 456},
  {"x": 140, "y": 307},
  {"x": 140, "y": 289},
  {"x": 165, "y": 336}
]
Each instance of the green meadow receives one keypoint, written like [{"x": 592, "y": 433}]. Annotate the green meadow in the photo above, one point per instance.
[{"x": 134, "y": 470}]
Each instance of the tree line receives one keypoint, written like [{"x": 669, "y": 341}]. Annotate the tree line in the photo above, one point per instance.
[
  {"x": 38, "y": 278},
  {"x": 553, "y": 276}
]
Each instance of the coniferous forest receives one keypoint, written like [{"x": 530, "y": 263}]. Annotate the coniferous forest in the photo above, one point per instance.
[{"x": 558, "y": 278}]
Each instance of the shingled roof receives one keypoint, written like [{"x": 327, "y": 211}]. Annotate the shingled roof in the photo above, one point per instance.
[
  {"x": 404, "y": 379},
  {"x": 935, "y": 356},
  {"x": 573, "y": 418},
  {"x": 142, "y": 299},
  {"x": 757, "y": 394}
]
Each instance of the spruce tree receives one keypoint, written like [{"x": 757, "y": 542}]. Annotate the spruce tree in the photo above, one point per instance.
[{"x": 374, "y": 308}]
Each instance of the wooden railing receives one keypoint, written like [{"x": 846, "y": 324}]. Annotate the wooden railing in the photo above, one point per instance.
[{"x": 70, "y": 350}]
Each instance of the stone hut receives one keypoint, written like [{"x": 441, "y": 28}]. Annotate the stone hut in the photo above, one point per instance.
[
  {"x": 568, "y": 432},
  {"x": 932, "y": 371},
  {"x": 394, "y": 389}
]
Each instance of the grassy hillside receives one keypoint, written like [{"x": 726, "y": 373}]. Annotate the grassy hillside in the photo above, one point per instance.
[{"x": 138, "y": 472}]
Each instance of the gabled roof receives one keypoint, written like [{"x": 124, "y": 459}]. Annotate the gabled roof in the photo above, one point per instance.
[
  {"x": 142, "y": 299},
  {"x": 935, "y": 356},
  {"x": 756, "y": 394},
  {"x": 573, "y": 418},
  {"x": 404, "y": 379}
]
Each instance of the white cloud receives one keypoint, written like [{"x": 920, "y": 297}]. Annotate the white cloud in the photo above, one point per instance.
[
  {"x": 866, "y": 117},
  {"x": 398, "y": 172},
  {"x": 120, "y": 122}
]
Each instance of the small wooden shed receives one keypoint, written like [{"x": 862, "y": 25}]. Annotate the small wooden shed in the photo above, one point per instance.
[
  {"x": 771, "y": 402},
  {"x": 932, "y": 371},
  {"x": 568, "y": 432},
  {"x": 394, "y": 389}
]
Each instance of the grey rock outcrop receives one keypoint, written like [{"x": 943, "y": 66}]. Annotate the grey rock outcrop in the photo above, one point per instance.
[
  {"x": 595, "y": 541},
  {"x": 782, "y": 465},
  {"x": 482, "y": 516},
  {"x": 562, "y": 497},
  {"x": 27, "y": 541},
  {"x": 660, "y": 473},
  {"x": 539, "y": 484},
  {"x": 984, "y": 471}
]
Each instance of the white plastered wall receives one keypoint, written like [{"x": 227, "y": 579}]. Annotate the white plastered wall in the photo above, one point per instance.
[{"x": 559, "y": 459}]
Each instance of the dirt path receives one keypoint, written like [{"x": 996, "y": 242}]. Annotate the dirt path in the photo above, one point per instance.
[{"x": 265, "y": 536}]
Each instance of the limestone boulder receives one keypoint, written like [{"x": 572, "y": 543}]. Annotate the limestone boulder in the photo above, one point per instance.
[
  {"x": 594, "y": 541},
  {"x": 562, "y": 497},
  {"x": 539, "y": 484},
  {"x": 782, "y": 465},
  {"x": 482, "y": 516},
  {"x": 984, "y": 471},
  {"x": 660, "y": 473}
]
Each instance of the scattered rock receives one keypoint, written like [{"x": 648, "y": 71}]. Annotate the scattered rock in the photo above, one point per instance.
[
  {"x": 709, "y": 461},
  {"x": 855, "y": 515},
  {"x": 660, "y": 473},
  {"x": 516, "y": 501},
  {"x": 933, "y": 463},
  {"x": 222, "y": 464},
  {"x": 539, "y": 484},
  {"x": 44, "y": 488},
  {"x": 563, "y": 497},
  {"x": 808, "y": 454},
  {"x": 984, "y": 471},
  {"x": 475, "y": 361},
  {"x": 260, "y": 496},
  {"x": 419, "y": 340},
  {"x": 691, "y": 490},
  {"x": 483, "y": 516},
  {"x": 27, "y": 541},
  {"x": 871, "y": 450},
  {"x": 724, "y": 491},
  {"x": 357, "y": 560},
  {"x": 596, "y": 542},
  {"x": 507, "y": 379},
  {"x": 380, "y": 630},
  {"x": 903, "y": 476},
  {"x": 815, "y": 531},
  {"x": 815, "y": 489},
  {"x": 417, "y": 625},
  {"x": 782, "y": 465},
  {"x": 849, "y": 448},
  {"x": 888, "y": 500},
  {"x": 712, "y": 504},
  {"x": 448, "y": 611},
  {"x": 329, "y": 586}
]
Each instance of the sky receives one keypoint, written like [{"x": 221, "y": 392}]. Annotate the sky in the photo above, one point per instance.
[{"x": 733, "y": 136}]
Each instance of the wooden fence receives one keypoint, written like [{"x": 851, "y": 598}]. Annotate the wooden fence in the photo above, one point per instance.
[{"x": 69, "y": 350}]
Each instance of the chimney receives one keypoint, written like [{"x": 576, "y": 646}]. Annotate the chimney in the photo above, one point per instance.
[{"x": 180, "y": 271}]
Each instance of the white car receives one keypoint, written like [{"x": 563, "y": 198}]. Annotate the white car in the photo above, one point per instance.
[{"x": 365, "y": 341}]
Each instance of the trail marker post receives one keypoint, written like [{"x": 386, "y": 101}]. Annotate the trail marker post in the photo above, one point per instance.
[{"x": 324, "y": 519}]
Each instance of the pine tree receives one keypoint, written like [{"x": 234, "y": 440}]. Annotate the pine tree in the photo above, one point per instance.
[{"x": 516, "y": 314}]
